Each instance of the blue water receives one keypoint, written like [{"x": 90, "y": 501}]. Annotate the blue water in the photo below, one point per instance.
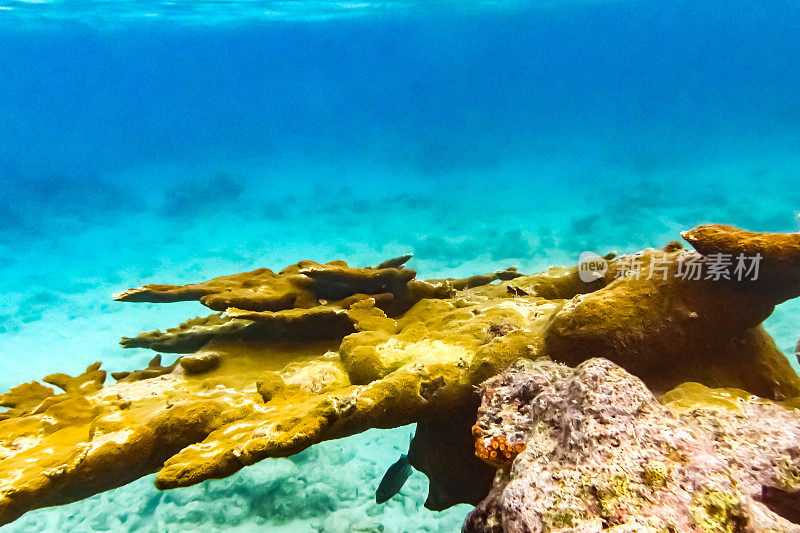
[{"x": 175, "y": 141}]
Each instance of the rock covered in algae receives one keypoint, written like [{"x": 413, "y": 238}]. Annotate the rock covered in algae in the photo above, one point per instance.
[
  {"x": 322, "y": 351},
  {"x": 592, "y": 449}
]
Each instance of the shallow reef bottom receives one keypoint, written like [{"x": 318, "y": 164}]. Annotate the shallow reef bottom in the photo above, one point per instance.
[{"x": 321, "y": 351}]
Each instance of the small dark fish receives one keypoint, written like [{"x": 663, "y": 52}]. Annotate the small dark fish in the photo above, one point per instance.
[
  {"x": 395, "y": 262},
  {"x": 393, "y": 480}
]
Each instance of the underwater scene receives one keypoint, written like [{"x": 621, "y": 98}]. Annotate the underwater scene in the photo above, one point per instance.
[{"x": 399, "y": 266}]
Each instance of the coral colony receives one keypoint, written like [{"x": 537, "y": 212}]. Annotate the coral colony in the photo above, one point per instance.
[{"x": 631, "y": 402}]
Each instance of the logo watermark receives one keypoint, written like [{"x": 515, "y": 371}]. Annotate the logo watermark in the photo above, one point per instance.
[
  {"x": 591, "y": 267},
  {"x": 689, "y": 266}
]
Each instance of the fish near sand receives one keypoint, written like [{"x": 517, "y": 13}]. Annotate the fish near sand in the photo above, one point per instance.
[{"x": 393, "y": 480}]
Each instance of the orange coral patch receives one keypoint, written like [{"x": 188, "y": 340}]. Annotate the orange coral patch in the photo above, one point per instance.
[{"x": 498, "y": 451}]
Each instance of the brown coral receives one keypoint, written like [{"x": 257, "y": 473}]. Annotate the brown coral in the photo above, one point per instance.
[
  {"x": 154, "y": 369},
  {"x": 653, "y": 314},
  {"x": 304, "y": 285},
  {"x": 322, "y": 351}
]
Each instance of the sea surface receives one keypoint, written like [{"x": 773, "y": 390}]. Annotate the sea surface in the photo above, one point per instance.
[{"x": 145, "y": 141}]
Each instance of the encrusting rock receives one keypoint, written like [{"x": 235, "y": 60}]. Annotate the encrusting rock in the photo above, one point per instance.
[
  {"x": 594, "y": 450},
  {"x": 323, "y": 351}
]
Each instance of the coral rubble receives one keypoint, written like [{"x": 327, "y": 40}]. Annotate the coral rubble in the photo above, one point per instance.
[{"x": 323, "y": 351}]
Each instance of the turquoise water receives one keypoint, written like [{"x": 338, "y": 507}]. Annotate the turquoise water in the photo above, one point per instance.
[{"x": 176, "y": 141}]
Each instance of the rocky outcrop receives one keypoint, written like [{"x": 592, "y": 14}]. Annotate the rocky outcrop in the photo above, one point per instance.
[{"x": 594, "y": 450}]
